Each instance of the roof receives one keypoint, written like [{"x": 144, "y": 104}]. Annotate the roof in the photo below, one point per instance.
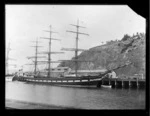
[{"x": 100, "y": 70}]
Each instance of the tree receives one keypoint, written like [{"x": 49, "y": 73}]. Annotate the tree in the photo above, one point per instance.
[{"x": 126, "y": 37}]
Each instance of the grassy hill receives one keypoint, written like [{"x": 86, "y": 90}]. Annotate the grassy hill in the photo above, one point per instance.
[{"x": 113, "y": 54}]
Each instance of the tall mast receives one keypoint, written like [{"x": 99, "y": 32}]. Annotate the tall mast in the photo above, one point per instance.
[
  {"x": 49, "y": 55},
  {"x": 77, "y": 38},
  {"x": 35, "y": 57},
  {"x": 50, "y": 52}
]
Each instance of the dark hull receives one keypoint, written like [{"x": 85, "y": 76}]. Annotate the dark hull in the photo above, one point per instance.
[
  {"x": 9, "y": 77},
  {"x": 88, "y": 81}
]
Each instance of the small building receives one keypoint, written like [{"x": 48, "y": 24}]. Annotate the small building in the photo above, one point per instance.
[
  {"x": 112, "y": 75},
  {"x": 56, "y": 72}
]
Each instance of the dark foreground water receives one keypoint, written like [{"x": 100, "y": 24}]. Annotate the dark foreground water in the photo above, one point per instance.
[{"x": 85, "y": 98}]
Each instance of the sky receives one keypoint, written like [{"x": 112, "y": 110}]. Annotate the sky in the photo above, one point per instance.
[{"x": 26, "y": 23}]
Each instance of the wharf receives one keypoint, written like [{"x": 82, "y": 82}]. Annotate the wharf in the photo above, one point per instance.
[{"x": 124, "y": 83}]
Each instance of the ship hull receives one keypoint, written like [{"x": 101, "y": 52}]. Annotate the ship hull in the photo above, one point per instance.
[
  {"x": 86, "y": 81},
  {"x": 9, "y": 77}
]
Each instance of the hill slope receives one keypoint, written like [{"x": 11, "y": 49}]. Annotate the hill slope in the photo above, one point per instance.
[{"x": 115, "y": 53}]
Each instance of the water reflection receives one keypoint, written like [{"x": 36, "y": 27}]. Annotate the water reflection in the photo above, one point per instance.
[{"x": 89, "y": 98}]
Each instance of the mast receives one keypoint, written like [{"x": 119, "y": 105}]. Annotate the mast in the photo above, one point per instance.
[
  {"x": 49, "y": 55},
  {"x": 50, "y": 52},
  {"x": 35, "y": 57},
  {"x": 8, "y": 58},
  {"x": 77, "y": 38}
]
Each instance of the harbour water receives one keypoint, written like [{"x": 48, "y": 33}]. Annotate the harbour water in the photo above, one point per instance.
[{"x": 77, "y": 97}]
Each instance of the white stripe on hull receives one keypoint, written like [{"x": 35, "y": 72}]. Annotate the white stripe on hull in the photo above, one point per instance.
[
  {"x": 62, "y": 81},
  {"x": 77, "y": 81},
  {"x": 70, "y": 81}
]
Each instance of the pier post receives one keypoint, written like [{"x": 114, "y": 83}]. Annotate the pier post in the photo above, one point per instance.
[
  {"x": 142, "y": 76},
  {"x": 115, "y": 83},
  {"x": 122, "y": 84},
  {"x": 109, "y": 81},
  {"x": 137, "y": 82},
  {"x": 129, "y": 83}
]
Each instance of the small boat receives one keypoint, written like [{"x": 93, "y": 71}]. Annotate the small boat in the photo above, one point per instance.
[
  {"x": 106, "y": 86},
  {"x": 9, "y": 77}
]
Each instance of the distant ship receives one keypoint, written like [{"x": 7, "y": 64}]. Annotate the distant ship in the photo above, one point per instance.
[
  {"x": 63, "y": 79},
  {"x": 8, "y": 76}
]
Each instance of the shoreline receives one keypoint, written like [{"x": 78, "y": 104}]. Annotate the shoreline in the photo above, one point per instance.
[{"x": 17, "y": 104}]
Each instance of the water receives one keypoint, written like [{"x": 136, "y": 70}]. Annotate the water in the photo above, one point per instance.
[{"x": 86, "y": 98}]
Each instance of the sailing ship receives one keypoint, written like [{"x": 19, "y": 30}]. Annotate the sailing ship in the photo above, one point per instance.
[
  {"x": 8, "y": 76},
  {"x": 67, "y": 79}
]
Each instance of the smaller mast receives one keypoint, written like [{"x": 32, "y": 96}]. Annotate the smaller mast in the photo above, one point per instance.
[
  {"x": 50, "y": 52},
  {"x": 8, "y": 58},
  {"x": 35, "y": 57}
]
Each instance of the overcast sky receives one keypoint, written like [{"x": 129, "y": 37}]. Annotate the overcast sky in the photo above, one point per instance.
[{"x": 25, "y": 23}]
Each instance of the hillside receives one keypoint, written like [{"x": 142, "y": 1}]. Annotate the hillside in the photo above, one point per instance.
[{"x": 115, "y": 53}]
